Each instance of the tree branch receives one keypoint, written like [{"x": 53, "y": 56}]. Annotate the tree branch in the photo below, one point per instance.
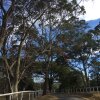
[
  {"x": 12, "y": 65},
  {"x": 1, "y": 5},
  {"x": 22, "y": 73},
  {"x": 10, "y": 10},
  {"x": 7, "y": 65}
]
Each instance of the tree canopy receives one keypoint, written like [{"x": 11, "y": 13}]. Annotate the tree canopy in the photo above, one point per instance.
[{"x": 47, "y": 37}]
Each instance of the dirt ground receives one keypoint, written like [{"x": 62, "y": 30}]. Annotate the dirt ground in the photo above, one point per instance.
[
  {"x": 59, "y": 97},
  {"x": 91, "y": 96},
  {"x": 48, "y": 97},
  {"x": 95, "y": 97},
  {"x": 66, "y": 97}
]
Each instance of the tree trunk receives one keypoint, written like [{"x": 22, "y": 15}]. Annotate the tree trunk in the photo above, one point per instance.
[
  {"x": 84, "y": 82},
  {"x": 97, "y": 79},
  {"x": 46, "y": 85},
  {"x": 85, "y": 72},
  {"x": 15, "y": 89},
  {"x": 50, "y": 84}
]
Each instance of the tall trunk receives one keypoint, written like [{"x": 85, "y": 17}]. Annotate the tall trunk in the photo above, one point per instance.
[
  {"x": 5, "y": 64},
  {"x": 50, "y": 84},
  {"x": 46, "y": 86},
  {"x": 46, "y": 83},
  {"x": 14, "y": 86},
  {"x": 83, "y": 79},
  {"x": 17, "y": 70},
  {"x": 85, "y": 72},
  {"x": 15, "y": 89},
  {"x": 97, "y": 79}
]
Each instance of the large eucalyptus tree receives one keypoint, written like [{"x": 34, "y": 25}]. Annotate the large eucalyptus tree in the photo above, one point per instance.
[{"x": 19, "y": 19}]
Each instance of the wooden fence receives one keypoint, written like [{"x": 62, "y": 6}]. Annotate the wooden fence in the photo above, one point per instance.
[
  {"x": 22, "y": 95},
  {"x": 84, "y": 90}
]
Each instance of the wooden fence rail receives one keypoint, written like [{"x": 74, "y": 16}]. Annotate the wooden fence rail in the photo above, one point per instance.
[{"x": 22, "y": 95}]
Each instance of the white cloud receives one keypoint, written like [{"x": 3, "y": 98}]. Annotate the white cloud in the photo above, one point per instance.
[{"x": 92, "y": 8}]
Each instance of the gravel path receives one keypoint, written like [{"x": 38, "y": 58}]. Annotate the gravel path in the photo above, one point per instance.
[
  {"x": 65, "y": 97},
  {"x": 70, "y": 98},
  {"x": 59, "y": 97}
]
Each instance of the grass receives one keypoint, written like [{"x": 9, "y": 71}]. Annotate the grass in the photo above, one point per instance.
[
  {"x": 95, "y": 97},
  {"x": 91, "y": 96}
]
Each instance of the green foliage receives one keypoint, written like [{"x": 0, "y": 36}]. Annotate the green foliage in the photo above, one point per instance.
[
  {"x": 73, "y": 79},
  {"x": 26, "y": 84}
]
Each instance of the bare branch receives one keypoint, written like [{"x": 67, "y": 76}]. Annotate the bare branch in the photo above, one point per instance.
[
  {"x": 10, "y": 10},
  {"x": 12, "y": 65},
  {"x": 1, "y": 5},
  {"x": 7, "y": 65},
  {"x": 22, "y": 73}
]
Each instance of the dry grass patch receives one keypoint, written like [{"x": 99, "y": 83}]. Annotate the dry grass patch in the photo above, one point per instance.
[
  {"x": 48, "y": 97},
  {"x": 92, "y": 96},
  {"x": 95, "y": 97}
]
